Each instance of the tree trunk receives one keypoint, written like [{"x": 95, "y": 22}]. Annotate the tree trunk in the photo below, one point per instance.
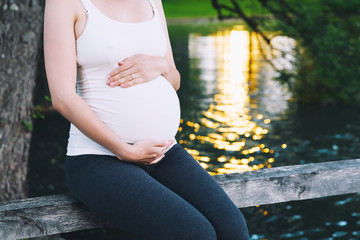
[{"x": 20, "y": 38}]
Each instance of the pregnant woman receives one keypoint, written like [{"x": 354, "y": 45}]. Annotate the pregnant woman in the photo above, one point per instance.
[{"x": 111, "y": 73}]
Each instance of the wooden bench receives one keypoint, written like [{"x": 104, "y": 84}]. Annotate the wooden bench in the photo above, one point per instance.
[{"x": 48, "y": 215}]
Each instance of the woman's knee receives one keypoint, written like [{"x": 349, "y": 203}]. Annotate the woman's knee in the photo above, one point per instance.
[
  {"x": 233, "y": 227},
  {"x": 186, "y": 225},
  {"x": 199, "y": 229}
]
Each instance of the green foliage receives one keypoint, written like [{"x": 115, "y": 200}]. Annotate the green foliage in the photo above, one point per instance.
[
  {"x": 28, "y": 125},
  {"x": 203, "y": 8},
  {"x": 37, "y": 113},
  {"x": 188, "y": 8},
  {"x": 328, "y": 34},
  {"x": 47, "y": 98}
]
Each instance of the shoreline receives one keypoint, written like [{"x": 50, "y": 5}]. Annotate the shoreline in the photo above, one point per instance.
[{"x": 205, "y": 20}]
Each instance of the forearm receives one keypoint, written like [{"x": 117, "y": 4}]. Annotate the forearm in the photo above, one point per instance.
[{"x": 79, "y": 113}]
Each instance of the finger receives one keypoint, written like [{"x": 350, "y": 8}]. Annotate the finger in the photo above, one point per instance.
[
  {"x": 132, "y": 82},
  {"x": 152, "y": 160},
  {"x": 133, "y": 57},
  {"x": 126, "y": 59},
  {"x": 123, "y": 67},
  {"x": 157, "y": 159},
  {"x": 114, "y": 72},
  {"x": 167, "y": 147},
  {"x": 121, "y": 75},
  {"x": 159, "y": 151},
  {"x": 159, "y": 143},
  {"x": 124, "y": 81}
]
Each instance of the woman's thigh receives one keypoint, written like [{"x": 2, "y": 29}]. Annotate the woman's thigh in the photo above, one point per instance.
[
  {"x": 181, "y": 173},
  {"x": 132, "y": 200}
]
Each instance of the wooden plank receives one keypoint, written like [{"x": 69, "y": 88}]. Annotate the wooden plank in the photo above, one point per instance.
[
  {"x": 43, "y": 216},
  {"x": 62, "y": 213},
  {"x": 292, "y": 183}
]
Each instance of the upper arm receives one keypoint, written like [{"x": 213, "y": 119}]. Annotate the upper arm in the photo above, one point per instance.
[
  {"x": 169, "y": 54},
  {"x": 60, "y": 47}
]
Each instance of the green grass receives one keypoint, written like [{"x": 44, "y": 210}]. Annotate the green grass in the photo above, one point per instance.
[{"x": 204, "y": 8}]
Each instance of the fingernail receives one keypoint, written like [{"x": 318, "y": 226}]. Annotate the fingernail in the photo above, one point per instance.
[
  {"x": 107, "y": 81},
  {"x": 123, "y": 85},
  {"x": 112, "y": 84}
]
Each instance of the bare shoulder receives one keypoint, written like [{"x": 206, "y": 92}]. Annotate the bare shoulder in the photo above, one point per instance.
[{"x": 63, "y": 9}]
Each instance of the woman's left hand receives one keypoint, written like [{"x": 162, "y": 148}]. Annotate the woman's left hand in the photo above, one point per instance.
[{"x": 137, "y": 69}]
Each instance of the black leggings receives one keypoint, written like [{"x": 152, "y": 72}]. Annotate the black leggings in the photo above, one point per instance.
[{"x": 172, "y": 199}]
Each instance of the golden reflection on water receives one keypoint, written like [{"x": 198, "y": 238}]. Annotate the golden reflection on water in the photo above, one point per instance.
[{"x": 231, "y": 126}]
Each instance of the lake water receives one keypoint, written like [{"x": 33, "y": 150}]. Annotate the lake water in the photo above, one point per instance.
[{"x": 236, "y": 118}]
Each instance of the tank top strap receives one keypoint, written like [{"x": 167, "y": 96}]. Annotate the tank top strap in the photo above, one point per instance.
[
  {"x": 85, "y": 4},
  {"x": 154, "y": 9}
]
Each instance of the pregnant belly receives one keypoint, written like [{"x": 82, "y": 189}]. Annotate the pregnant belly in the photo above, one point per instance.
[{"x": 145, "y": 111}]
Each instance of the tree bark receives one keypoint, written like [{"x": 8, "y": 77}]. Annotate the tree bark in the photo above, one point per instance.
[{"x": 20, "y": 38}]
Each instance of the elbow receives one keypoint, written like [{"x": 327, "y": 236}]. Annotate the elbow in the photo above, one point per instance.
[
  {"x": 61, "y": 104},
  {"x": 177, "y": 86},
  {"x": 177, "y": 82},
  {"x": 58, "y": 105},
  {"x": 62, "y": 100}
]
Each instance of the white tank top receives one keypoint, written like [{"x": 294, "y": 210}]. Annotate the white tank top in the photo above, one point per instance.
[{"x": 146, "y": 111}]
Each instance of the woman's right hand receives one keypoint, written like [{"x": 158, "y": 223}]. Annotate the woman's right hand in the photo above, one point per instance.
[{"x": 145, "y": 151}]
